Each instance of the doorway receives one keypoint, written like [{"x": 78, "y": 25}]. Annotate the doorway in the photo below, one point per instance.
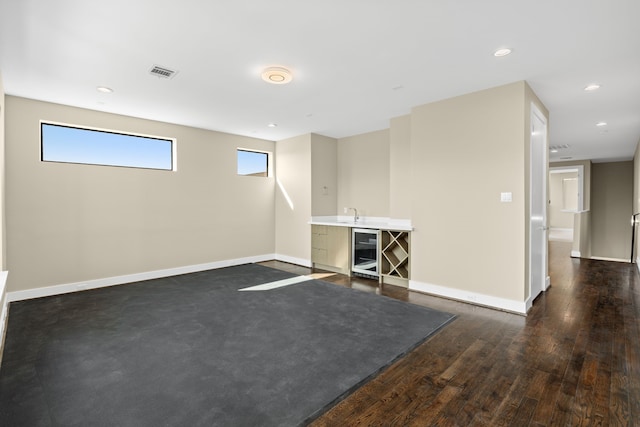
[
  {"x": 538, "y": 273},
  {"x": 566, "y": 185}
]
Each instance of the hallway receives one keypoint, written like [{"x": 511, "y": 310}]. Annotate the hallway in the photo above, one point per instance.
[{"x": 574, "y": 360}]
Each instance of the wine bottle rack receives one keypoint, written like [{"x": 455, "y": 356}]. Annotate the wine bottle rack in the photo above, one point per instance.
[{"x": 395, "y": 254}]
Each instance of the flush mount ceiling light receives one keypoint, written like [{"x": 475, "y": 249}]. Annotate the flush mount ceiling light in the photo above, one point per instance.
[
  {"x": 601, "y": 124},
  {"x": 502, "y": 52},
  {"x": 104, "y": 89},
  {"x": 277, "y": 75},
  {"x": 592, "y": 87},
  {"x": 272, "y": 125}
]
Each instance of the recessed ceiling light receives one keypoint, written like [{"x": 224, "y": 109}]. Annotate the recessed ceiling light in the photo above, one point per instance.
[
  {"x": 104, "y": 89},
  {"x": 272, "y": 125},
  {"x": 592, "y": 87},
  {"x": 601, "y": 124},
  {"x": 554, "y": 151},
  {"x": 502, "y": 52},
  {"x": 277, "y": 75}
]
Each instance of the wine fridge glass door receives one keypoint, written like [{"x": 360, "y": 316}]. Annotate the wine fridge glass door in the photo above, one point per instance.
[{"x": 365, "y": 251}]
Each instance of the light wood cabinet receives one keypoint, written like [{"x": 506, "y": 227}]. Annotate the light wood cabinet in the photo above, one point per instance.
[{"x": 330, "y": 248}]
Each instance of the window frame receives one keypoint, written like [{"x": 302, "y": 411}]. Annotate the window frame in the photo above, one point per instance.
[
  {"x": 268, "y": 165},
  {"x": 172, "y": 141}
]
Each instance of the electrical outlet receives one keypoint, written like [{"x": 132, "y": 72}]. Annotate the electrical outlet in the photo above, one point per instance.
[{"x": 345, "y": 210}]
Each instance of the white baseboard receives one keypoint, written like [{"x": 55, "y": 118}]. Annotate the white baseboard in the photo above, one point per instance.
[
  {"x": 547, "y": 283},
  {"x": 519, "y": 307},
  {"x": 129, "y": 278},
  {"x": 602, "y": 258},
  {"x": 293, "y": 260},
  {"x": 575, "y": 254}
]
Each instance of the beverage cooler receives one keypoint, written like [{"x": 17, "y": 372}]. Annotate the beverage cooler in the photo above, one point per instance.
[{"x": 364, "y": 252}]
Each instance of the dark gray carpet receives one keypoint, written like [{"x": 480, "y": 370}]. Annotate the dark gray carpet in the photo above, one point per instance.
[{"x": 191, "y": 350}]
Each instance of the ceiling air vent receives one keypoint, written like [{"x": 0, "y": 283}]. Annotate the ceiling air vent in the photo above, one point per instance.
[
  {"x": 162, "y": 72},
  {"x": 559, "y": 147}
]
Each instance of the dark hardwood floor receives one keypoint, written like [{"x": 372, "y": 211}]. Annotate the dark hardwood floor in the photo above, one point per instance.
[{"x": 574, "y": 360}]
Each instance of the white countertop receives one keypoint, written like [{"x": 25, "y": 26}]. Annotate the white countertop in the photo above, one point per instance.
[{"x": 377, "y": 223}]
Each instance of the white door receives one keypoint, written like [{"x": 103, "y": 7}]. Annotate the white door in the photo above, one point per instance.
[{"x": 538, "y": 205}]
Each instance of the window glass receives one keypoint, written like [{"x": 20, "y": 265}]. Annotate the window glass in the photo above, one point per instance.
[
  {"x": 69, "y": 144},
  {"x": 253, "y": 163}
]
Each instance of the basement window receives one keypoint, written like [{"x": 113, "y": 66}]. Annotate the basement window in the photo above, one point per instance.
[
  {"x": 253, "y": 163},
  {"x": 72, "y": 144}
]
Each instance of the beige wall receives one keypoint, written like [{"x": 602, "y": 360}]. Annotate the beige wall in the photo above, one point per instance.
[
  {"x": 71, "y": 223},
  {"x": 3, "y": 233},
  {"x": 465, "y": 151},
  {"x": 293, "y": 172},
  {"x": 363, "y": 173},
  {"x": 443, "y": 166},
  {"x": 324, "y": 175},
  {"x": 611, "y": 209},
  {"x": 3, "y": 287},
  {"x": 399, "y": 168},
  {"x": 558, "y": 216},
  {"x": 581, "y": 245}
]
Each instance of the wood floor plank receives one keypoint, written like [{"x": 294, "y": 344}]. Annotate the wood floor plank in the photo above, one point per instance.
[
  {"x": 631, "y": 315},
  {"x": 547, "y": 402},
  {"x": 427, "y": 414},
  {"x": 525, "y": 412},
  {"x": 574, "y": 360}
]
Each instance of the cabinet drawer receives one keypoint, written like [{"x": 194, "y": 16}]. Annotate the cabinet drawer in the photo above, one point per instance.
[{"x": 319, "y": 229}]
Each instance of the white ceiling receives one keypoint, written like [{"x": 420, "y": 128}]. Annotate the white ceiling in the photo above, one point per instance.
[{"x": 356, "y": 63}]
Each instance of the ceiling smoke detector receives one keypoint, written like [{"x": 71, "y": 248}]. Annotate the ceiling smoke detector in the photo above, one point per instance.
[
  {"x": 277, "y": 75},
  {"x": 162, "y": 72}
]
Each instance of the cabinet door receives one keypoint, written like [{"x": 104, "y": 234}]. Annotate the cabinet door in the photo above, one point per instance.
[
  {"x": 319, "y": 241},
  {"x": 338, "y": 247},
  {"x": 319, "y": 256}
]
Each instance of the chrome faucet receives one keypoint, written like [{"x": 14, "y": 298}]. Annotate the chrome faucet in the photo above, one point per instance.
[{"x": 355, "y": 214}]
